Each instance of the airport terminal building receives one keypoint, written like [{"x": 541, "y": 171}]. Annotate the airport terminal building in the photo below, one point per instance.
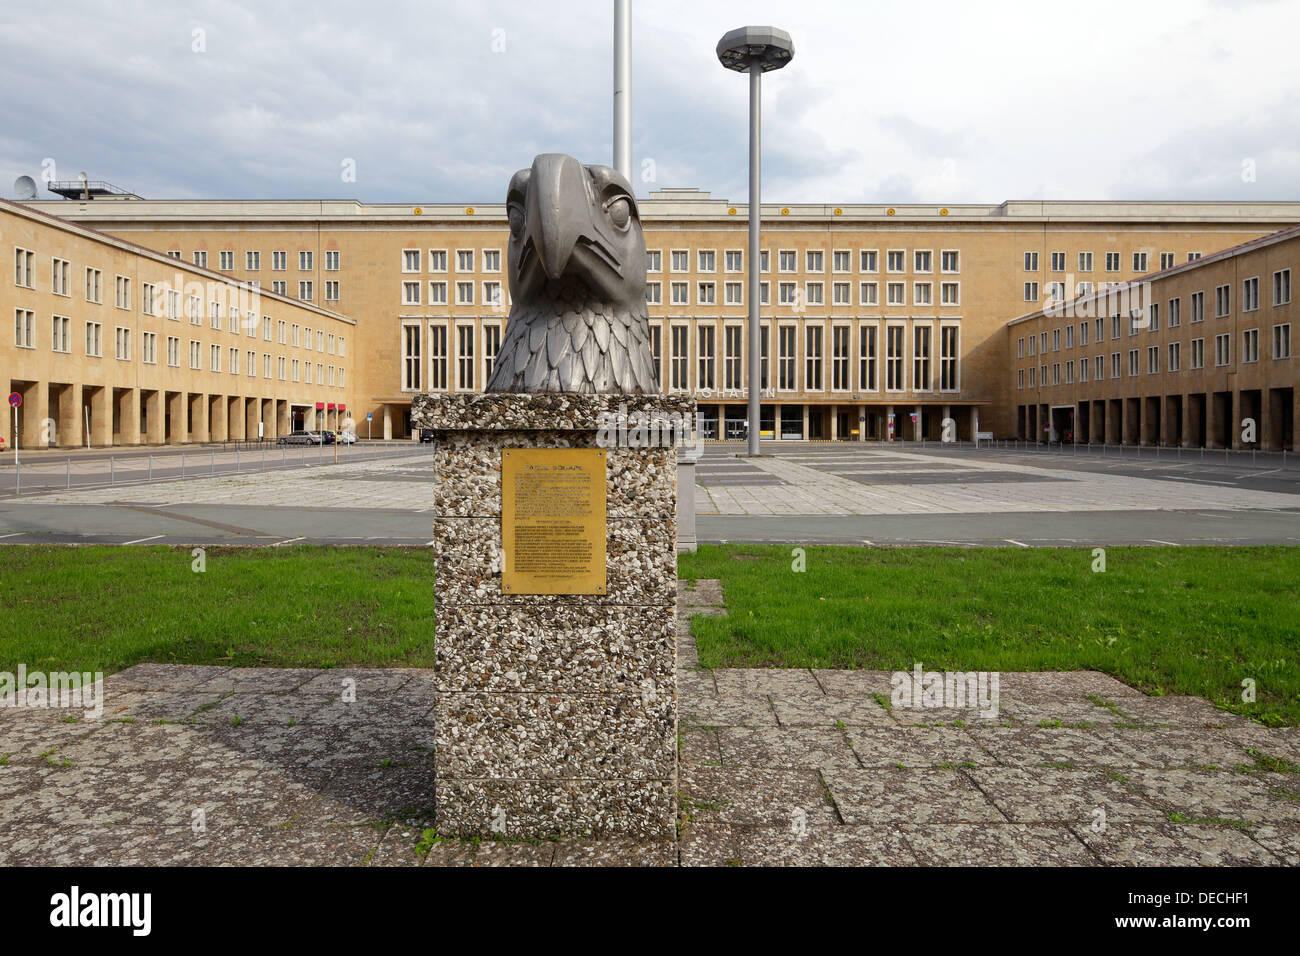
[{"x": 877, "y": 321}]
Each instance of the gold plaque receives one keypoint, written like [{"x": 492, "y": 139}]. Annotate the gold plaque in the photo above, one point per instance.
[{"x": 553, "y": 520}]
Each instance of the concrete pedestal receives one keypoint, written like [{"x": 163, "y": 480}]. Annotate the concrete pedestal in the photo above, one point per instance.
[{"x": 554, "y": 713}]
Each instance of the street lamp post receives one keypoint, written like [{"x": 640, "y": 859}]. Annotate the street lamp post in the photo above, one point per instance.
[{"x": 755, "y": 50}]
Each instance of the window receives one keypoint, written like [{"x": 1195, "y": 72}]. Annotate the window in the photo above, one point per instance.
[
  {"x": 331, "y": 290},
  {"x": 214, "y": 358},
  {"x": 922, "y": 261},
  {"x": 492, "y": 295},
  {"x": 279, "y": 287},
  {"x": 657, "y": 349},
  {"x": 282, "y": 332},
  {"x": 1166, "y": 261},
  {"x": 1153, "y": 359},
  {"x": 437, "y": 260},
  {"x": 491, "y": 348},
  {"x": 1056, "y": 373},
  {"x": 1083, "y": 288},
  {"x": 765, "y": 261},
  {"x": 921, "y": 358},
  {"x": 868, "y": 261},
  {"x": 1031, "y": 291},
  {"x": 654, "y": 261},
  {"x": 867, "y": 358},
  {"x": 785, "y": 357},
  {"x": 1020, "y": 378},
  {"x": 252, "y": 263},
  {"x": 895, "y": 261},
  {"x": 841, "y": 293},
  {"x": 464, "y": 293},
  {"x": 1099, "y": 367},
  {"x": 1175, "y": 356},
  {"x": 24, "y": 261},
  {"x": 813, "y": 358},
  {"x": 1083, "y": 333},
  {"x": 1198, "y": 307},
  {"x": 491, "y": 260},
  {"x": 94, "y": 284},
  {"x": 840, "y": 260},
  {"x": 681, "y": 260},
  {"x": 410, "y": 260},
  {"x": 814, "y": 293},
  {"x": 1193, "y": 256},
  {"x": 1033, "y": 340},
  {"x": 465, "y": 357},
  {"x": 1153, "y": 317},
  {"x": 201, "y": 258},
  {"x": 147, "y": 299},
  {"x": 1282, "y": 341},
  {"x": 1222, "y": 301},
  {"x": 706, "y": 357},
  {"x": 707, "y": 294},
  {"x": 732, "y": 339},
  {"x": 59, "y": 269},
  {"x": 950, "y": 261},
  {"x": 61, "y": 334},
  {"x": 1069, "y": 336},
  {"x": 25, "y": 329},
  {"x": 949, "y": 337},
  {"x": 305, "y": 290},
  {"x": 173, "y": 351},
  {"x": 869, "y": 293},
  {"x": 1132, "y": 361},
  {"x": 1222, "y": 349},
  {"x": 1031, "y": 376},
  {"x": 1249, "y": 346},
  {"x": 1085, "y": 262},
  {"x": 679, "y": 363},
  {"x": 122, "y": 293},
  {"x": 922, "y": 293},
  {"x": 680, "y": 293},
  {"x": 734, "y": 292},
  {"x": 437, "y": 293},
  {"x": 1112, "y": 262},
  {"x": 1020, "y": 347},
  {"x": 1139, "y": 262},
  {"x": 1056, "y": 291},
  {"x": 304, "y": 261},
  {"x": 1250, "y": 294},
  {"x": 787, "y": 293},
  {"x": 1282, "y": 287},
  {"x": 840, "y": 336},
  {"x": 227, "y": 259},
  {"x": 895, "y": 293},
  {"x": 1031, "y": 262},
  {"x": 894, "y": 358},
  {"x": 735, "y": 260},
  {"x": 708, "y": 260},
  {"x": 765, "y": 293},
  {"x": 331, "y": 265},
  {"x": 1083, "y": 370},
  {"x": 279, "y": 260},
  {"x": 1058, "y": 261},
  {"x": 654, "y": 293},
  {"x": 1175, "y": 313},
  {"x": 438, "y": 357},
  {"x": 410, "y": 293},
  {"x": 1114, "y": 365}
]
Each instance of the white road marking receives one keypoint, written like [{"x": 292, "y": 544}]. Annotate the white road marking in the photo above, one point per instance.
[
  {"x": 1172, "y": 544},
  {"x": 1018, "y": 544},
  {"x": 139, "y": 540},
  {"x": 286, "y": 541},
  {"x": 14, "y": 535}
]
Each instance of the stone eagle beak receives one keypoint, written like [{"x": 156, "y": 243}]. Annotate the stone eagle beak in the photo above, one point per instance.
[{"x": 559, "y": 210}]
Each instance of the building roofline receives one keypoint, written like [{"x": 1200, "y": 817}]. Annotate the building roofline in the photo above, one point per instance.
[{"x": 38, "y": 215}]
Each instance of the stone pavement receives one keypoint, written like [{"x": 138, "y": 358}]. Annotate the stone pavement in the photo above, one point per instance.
[{"x": 214, "y": 765}]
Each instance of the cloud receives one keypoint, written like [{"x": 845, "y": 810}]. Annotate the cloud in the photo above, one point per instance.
[{"x": 988, "y": 102}]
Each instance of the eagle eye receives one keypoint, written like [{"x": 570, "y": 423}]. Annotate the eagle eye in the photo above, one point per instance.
[
  {"x": 516, "y": 216},
  {"x": 619, "y": 211}
]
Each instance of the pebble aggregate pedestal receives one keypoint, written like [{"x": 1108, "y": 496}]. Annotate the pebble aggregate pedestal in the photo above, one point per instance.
[{"x": 554, "y": 713}]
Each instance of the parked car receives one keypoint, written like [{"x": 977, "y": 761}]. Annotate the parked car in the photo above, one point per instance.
[
  {"x": 328, "y": 437},
  {"x": 347, "y": 438},
  {"x": 426, "y": 436},
  {"x": 300, "y": 438}
]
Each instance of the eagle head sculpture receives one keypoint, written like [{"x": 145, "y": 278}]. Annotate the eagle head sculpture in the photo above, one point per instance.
[{"x": 578, "y": 319}]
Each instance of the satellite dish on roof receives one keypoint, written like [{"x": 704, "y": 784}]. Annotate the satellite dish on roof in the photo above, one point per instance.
[{"x": 24, "y": 188}]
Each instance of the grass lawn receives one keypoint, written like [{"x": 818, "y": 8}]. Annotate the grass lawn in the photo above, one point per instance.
[
  {"x": 106, "y": 608},
  {"x": 1166, "y": 620}
]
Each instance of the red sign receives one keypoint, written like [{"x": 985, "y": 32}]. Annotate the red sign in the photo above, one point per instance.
[
  {"x": 320, "y": 406},
  {"x": 330, "y": 406},
  {"x": 15, "y": 399},
  {"x": 342, "y": 407}
]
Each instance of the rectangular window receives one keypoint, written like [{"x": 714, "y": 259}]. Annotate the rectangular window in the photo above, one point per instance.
[
  {"x": 410, "y": 293},
  {"x": 1222, "y": 301},
  {"x": 252, "y": 263},
  {"x": 1250, "y": 294},
  {"x": 61, "y": 334},
  {"x": 279, "y": 260},
  {"x": 1085, "y": 262},
  {"x": 679, "y": 363},
  {"x": 59, "y": 270},
  {"x": 922, "y": 261},
  {"x": 681, "y": 261},
  {"x": 734, "y": 292},
  {"x": 331, "y": 290},
  {"x": 786, "y": 261},
  {"x": 410, "y": 260},
  {"x": 1282, "y": 341},
  {"x": 894, "y": 358},
  {"x": 1058, "y": 261},
  {"x": 949, "y": 339},
  {"x": 1222, "y": 349},
  {"x": 706, "y": 357},
  {"x": 465, "y": 357},
  {"x": 465, "y": 292},
  {"x": 840, "y": 338},
  {"x": 950, "y": 261},
  {"x": 1249, "y": 345},
  {"x": 732, "y": 343},
  {"x": 438, "y": 357},
  {"x": 840, "y": 260},
  {"x": 1112, "y": 262},
  {"x": 305, "y": 290},
  {"x": 1031, "y": 262},
  {"x": 1198, "y": 307},
  {"x": 173, "y": 351},
  {"x": 1153, "y": 359},
  {"x": 491, "y": 348},
  {"x": 815, "y": 260},
  {"x": 867, "y": 358},
  {"x": 654, "y": 293},
  {"x": 227, "y": 259},
  {"x": 896, "y": 293},
  {"x": 950, "y": 293},
  {"x": 122, "y": 344},
  {"x": 1139, "y": 262},
  {"x": 708, "y": 260},
  {"x": 654, "y": 260},
  {"x": 1198, "y": 353},
  {"x": 437, "y": 293},
  {"x": 437, "y": 260},
  {"x": 815, "y": 293},
  {"x": 707, "y": 294},
  {"x": 922, "y": 293},
  {"x": 786, "y": 344},
  {"x": 1031, "y": 291},
  {"x": 331, "y": 265},
  {"x": 841, "y": 293},
  {"x": 25, "y": 330},
  {"x": 921, "y": 358},
  {"x": 681, "y": 292},
  {"x": 869, "y": 293},
  {"x": 491, "y": 260},
  {"x": 813, "y": 358},
  {"x": 895, "y": 260},
  {"x": 868, "y": 260},
  {"x": 1282, "y": 287},
  {"x": 492, "y": 296},
  {"x": 201, "y": 258},
  {"x": 735, "y": 260},
  {"x": 304, "y": 261}
]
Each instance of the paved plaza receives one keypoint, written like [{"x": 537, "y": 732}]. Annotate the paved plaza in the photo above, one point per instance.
[
  {"x": 213, "y": 765},
  {"x": 795, "y": 493}
]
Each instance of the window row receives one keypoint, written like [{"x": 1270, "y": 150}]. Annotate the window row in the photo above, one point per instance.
[
  {"x": 814, "y": 260},
  {"x": 797, "y": 296}
]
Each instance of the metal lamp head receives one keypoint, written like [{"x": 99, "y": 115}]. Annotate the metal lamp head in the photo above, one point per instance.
[{"x": 767, "y": 47}]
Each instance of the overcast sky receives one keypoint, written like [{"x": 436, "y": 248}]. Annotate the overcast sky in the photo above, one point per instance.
[{"x": 441, "y": 101}]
